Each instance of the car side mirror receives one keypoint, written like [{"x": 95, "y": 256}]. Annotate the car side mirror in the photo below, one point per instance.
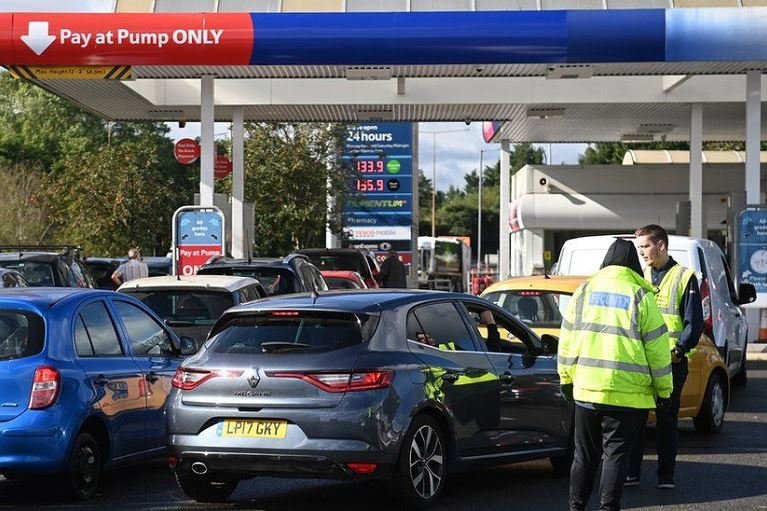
[
  {"x": 550, "y": 344},
  {"x": 746, "y": 294},
  {"x": 188, "y": 346}
]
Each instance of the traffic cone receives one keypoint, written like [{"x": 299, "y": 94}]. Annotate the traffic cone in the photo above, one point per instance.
[{"x": 762, "y": 325}]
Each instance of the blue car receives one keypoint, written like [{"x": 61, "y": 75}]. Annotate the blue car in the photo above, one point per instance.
[{"x": 84, "y": 376}]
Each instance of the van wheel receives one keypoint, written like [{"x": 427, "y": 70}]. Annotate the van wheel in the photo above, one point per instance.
[
  {"x": 741, "y": 377},
  {"x": 711, "y": 416},
  {"x": 422, "y": 466},
  {"x": 205, "y": 488},
  {"x": 83, "y": 468}
]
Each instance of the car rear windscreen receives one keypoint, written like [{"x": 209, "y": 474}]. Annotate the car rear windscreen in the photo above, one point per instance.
[
  {"x": 37, "y": 274},
  {"x": 194, "y": 307},
  {"x": 21, "y": 334},
  {"x": 276, "y": 281},
  {"x": 292, "y": 331},
  {"x": 327, "y": 262},
  {"x": 537, "y": 309}
]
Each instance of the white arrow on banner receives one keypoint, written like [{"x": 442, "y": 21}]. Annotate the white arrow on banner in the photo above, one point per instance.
[{"x": 37, "y": 37}]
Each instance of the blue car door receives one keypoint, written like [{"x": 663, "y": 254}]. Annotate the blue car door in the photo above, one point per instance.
[
  {"x": 151, "y": 345},
  {"x": 113, "y": 376}
]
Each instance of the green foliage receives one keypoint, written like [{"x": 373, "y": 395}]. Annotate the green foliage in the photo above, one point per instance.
[
  {"x": 22, "y": 217},
  {"x": 40, "y": 128},
  {"x": 123, "y": 195},
  {"x": 288, "y": 169}
]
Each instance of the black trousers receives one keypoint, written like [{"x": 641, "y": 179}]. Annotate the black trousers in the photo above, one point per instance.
[
  {"x": 667, "y": 435},
  {"x": 604, "y": 436}
]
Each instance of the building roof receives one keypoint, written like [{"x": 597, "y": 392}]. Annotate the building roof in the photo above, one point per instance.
[{"x": 636, "y": 80}]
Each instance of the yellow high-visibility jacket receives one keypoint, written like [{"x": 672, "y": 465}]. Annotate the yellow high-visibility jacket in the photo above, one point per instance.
[
  {"x": 669, "y": 299},
  {"x": 613, "y": 345}
]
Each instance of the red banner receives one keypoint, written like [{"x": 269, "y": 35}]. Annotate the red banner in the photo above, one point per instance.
[
  {"x": 191, "y": 257},
  {"x": 127, "y": 38}
]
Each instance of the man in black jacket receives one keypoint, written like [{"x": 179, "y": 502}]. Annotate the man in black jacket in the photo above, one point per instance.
[{"x": 393, "y": 273}]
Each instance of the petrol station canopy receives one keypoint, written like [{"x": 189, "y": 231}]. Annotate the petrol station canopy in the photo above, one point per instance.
[{"x": 544, "y": 70}]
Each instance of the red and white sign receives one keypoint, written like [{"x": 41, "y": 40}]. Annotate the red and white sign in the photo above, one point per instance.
[
  {"x": 186, "y": 151},
  {"x": 191, "y": 257},
  {"x": 126, "y": 39},
  {"x": 222, "y": 166}
]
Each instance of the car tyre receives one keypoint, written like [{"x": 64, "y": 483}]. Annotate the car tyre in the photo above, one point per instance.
[
  {"x": 741, "y": 377},
  {"x": 205, "y": 488},
  {"x": 422, "y": 467},
  {"x": 83, "y": 468},
  {"x": 711, "y": 416}
]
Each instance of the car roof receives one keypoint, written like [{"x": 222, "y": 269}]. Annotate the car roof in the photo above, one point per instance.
[
  {"x": 329, "y": 251},
  {"x": 223, "y": 282},
  {"x": 567, "y": 283},
  {"x": 43, "y": 298},
  {"x": 356, "y": 301},
  {"x": 342, "y": 274},
  {"x": 605, "y": 240},
  {"x": 29, "y": 256}
]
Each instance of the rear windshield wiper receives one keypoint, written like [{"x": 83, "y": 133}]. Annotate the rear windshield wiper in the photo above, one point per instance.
[
  {"x": 179, "y": 323},
  {"x": 270, "y": 347}
]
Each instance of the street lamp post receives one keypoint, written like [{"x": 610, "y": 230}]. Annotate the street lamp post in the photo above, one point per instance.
[
  {"x": 434, "y": 176},
  {"x": 479, "y": 208}
]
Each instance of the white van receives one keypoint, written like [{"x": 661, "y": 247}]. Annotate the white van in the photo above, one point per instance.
[{"x": 725, "y": 321}]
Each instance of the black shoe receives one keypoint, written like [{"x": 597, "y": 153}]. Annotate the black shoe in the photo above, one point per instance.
[
  {"x": 666, "y": 484},
  {"x": 631, "y": 481}
]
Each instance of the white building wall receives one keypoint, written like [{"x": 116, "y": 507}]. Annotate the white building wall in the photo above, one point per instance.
[{"x": 608, "y": 198}]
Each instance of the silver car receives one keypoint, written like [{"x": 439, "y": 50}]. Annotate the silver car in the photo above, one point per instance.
[{"x": 381, "y": 384}]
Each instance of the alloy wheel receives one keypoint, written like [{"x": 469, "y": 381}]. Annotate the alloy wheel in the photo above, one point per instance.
[
  {"x": 717, "y": 403},
  {"x": 426, "y": 462}
]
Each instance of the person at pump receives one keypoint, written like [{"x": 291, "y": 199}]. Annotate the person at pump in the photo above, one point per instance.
[
  {"x": 133, "y": 268},
  {"x": 679, "y": 300},
  {"x": 393, "y": 272},
  {"x": 613, "y": 362}
]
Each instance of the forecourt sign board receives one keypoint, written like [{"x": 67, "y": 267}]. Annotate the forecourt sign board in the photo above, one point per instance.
[
  {"x": 198, "y": 235},
  {"x": 378, "y": 210},
  {"x": 385, "y": 38},
  {"x": 751, "y": 250}
]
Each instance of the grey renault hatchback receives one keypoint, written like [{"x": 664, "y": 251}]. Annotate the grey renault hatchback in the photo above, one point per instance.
[{"x": 404, "y": 385}]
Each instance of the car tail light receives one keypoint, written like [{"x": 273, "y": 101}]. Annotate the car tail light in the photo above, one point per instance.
[
  {"x": 188, "y": 378},
  {"x": 362, "y": 468},
  {"x": 708, "y": 321},
  {"x": 45, "y": 387},
  {"x": 343, "y": 382}
]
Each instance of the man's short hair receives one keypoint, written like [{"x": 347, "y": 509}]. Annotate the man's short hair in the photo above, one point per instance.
[
  {"x": 655, "y": 232},
  {"x": 134, "y": 253}
]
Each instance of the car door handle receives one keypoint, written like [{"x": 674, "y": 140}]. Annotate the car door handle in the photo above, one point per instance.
[
  {"x": 101, "y": 380},
  {"x": 508, "y": 378},
  {"x": 451, "y": 377},
  {"x": 151, "y": 377}
]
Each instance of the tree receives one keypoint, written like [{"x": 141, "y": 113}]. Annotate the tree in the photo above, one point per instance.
[
  {"x": 22, "y": 217},
  {"x": 290, "y": 169},
  {"x": 40, "y": 128},
  {"x": 122, "y": 195}
]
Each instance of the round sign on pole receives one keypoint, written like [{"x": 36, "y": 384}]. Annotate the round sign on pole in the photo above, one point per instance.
[
  {"x": 222, "y": 166},
  {"x": 186, "y": 151}
]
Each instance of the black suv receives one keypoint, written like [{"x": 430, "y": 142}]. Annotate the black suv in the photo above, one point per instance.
[
  {"x": 291, "y": 274},
  {"x": 47, "y": 266}
]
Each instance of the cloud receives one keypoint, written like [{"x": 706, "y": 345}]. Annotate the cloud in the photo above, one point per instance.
[{"x": 458, "y": 151}]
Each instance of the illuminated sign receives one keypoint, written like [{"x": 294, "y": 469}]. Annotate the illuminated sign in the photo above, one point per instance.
[{"x": 378, "y": 208}]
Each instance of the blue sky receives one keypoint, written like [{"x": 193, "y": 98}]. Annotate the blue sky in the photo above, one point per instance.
[{"x": 458, "y": 150}]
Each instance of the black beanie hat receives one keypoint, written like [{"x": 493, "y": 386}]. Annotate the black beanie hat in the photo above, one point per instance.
[{"x": 622, "y": 253}]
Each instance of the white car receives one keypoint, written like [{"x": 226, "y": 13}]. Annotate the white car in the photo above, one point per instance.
[
  {"x": 725, "y": 321},
  {"x": 192, "y": 304}
]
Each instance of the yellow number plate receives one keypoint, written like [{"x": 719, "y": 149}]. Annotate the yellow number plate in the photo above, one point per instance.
[{"x": 254, "y": 429}]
